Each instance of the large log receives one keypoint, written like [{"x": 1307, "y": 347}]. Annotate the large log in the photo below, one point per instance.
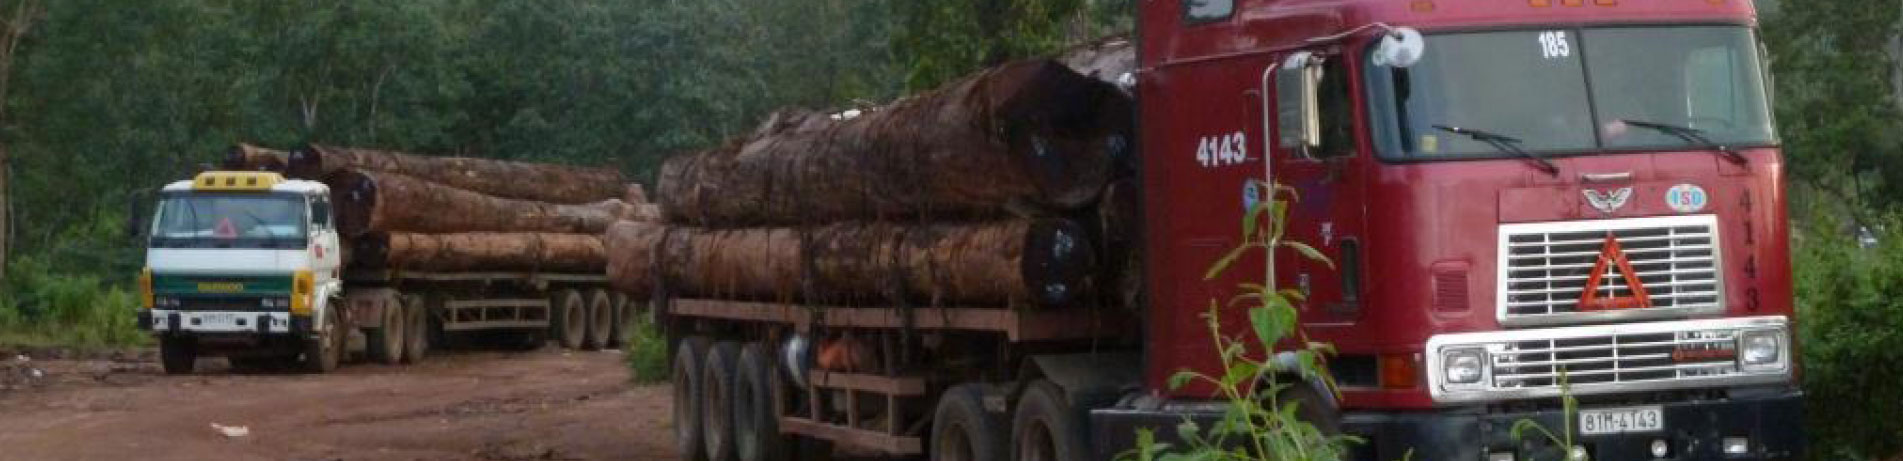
[
  {"x": 1027, "y": 263},
  {"x": 387, "y": 202},
  {"x": 501, "y": 178},
  {"x": 1029, "y": 132},
  {"x": 526, "y": 251},
  {"x": 246, "y": 157}
]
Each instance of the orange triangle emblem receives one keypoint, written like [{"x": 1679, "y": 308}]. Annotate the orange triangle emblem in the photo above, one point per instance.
[{"x": 1612, "y": 256}]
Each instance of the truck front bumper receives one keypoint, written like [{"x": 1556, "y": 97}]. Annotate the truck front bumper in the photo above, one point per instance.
[
  {"x": 1769, "y": 425},
  {"x": 217, "y": 322}
]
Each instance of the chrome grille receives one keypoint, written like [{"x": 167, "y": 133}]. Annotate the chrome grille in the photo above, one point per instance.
[
  {"x": 1545, "y": 267},
  {"x": 1617, "y": 358}
]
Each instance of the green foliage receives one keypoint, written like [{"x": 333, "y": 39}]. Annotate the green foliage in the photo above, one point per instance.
[
  {"x": 1562, "y": 441},
  {"x": 1257, "y": 424},
  {"x": 38, "y": 307},
  {"x": 1836, "y": 98},
  {"x": 1850, "y": 335},
  {"x": 940, "y": 41},
  {"x": 646, "y": 350}
]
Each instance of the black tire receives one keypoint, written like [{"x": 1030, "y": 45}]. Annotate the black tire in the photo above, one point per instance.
[
  {"x": 963, "y": 431},
  {"x": 323, "y": 353},
  {"x": 416, "y": 337},
  {"x": 385, "y": 343},
  {"x": 716, "y": 408},
  {"x": 600, "y": 320},
  {"x": 623, "y": 314},
  {"x": 689, "y": 360},
  {"x": 569, "y": 318},
  {"x": 756, "y": 420},
  {"x": 178, "y": 354},
  {"x": 1047, "y": 427}
]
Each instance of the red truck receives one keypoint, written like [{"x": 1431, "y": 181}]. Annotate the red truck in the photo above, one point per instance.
[{"x": 1510, "y": 191}]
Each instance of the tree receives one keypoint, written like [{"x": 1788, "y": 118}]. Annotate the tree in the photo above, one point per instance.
[{"x": 14, "y": 27}]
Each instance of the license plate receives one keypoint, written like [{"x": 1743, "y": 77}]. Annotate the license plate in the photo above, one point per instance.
[
  {"x": 217, "y": 319},
  {"x": 1621, "y": 420}
]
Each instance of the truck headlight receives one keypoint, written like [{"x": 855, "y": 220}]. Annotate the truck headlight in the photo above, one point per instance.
[
  {"x": 1761, "y": 348},
  {"x": 1463, "y": 366}
]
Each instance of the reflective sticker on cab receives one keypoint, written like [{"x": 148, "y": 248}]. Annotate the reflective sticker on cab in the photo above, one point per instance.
[{"x": 1686, "y": 198}]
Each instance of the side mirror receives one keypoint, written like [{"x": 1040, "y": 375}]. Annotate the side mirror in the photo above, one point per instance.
[
  {"x": 1297, "y": 103},
  {"x": 1401, "y": 47}
]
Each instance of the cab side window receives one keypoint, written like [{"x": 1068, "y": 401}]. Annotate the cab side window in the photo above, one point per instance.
[
  {"x": 1201, "y": 11},
  {"x": 320, "y": 212},
  {"x": 1336, "y": 109}
]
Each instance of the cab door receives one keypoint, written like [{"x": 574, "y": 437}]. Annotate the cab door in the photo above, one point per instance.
[
  {"x": 326, "y": 252},
  {"x": 1326, "y": 168}
]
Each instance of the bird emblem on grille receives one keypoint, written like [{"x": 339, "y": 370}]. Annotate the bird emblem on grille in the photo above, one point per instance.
[{"x": 1608, "y": 201}]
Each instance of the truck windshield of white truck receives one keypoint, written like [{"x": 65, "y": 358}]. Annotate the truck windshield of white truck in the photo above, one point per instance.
[
  {"x": 1571, "y": 90},
  {"x": 230, "y": 220}
]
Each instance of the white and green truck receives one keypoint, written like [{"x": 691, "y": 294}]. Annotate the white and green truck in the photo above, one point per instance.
[{"x": 249, "y": 266}]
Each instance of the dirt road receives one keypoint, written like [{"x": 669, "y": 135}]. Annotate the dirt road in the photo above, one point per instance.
[{"x": 545, "y": 405}]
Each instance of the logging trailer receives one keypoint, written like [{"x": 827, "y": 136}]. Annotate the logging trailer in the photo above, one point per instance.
[
  {"x": 251, "y": 266},
  {"x": 1513, "y": 192}
]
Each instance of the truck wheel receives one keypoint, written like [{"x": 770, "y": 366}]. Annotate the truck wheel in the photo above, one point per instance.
[
  {"x": 716, "y": 409},
  {"x": 321, "y": 354},
  {"x": 623, "y": 313},
  {"x": 962, "y": 430},
  {"x": 1047, "y": 427},
  {"x": 600, "y": 320},
  {"x": 385, "y": 343},
  {"x": 756, "y": 422},
  {"x": 178, "y": 354},
  {"x": 416, "y": 337},
  {"x": 570, "y": 318},
  {"x": 689, "y": 361}
]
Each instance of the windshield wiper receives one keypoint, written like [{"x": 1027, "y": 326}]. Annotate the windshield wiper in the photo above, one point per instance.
[
  {"x": 1691, "y": 135},
  {"x": 1504, "y": 143}
]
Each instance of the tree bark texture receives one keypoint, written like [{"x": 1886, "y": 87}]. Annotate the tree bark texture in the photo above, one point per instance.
[
  {"x": 501, "y": 178},
  {"x": 1029, "y": 132},
  {"x": 525, "y": 251},
  {"x": 247, "y": 157},
  {"x": 1028, "y": 263},
  {"x": 387, "y": 202}
]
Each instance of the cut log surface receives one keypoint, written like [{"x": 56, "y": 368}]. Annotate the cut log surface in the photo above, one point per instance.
[
  {"x": 501, "y": 178},
  {"x": 528, "y": 251},
  {"x": 1031, "y": 132},
  {"x": 1027, "y": 263},
  {"x": 386, "y": 202},
  {"x": 246, "y": 157}
]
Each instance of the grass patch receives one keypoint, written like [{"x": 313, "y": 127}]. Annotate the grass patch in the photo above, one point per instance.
[
  {"x": 647, "y": 352},
  {"x": 41, "y": 309}
]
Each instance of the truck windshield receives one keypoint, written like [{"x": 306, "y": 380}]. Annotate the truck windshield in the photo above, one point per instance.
[
  {"x": 200, "y": 220},
  {"x": 1573, "y": 91}
]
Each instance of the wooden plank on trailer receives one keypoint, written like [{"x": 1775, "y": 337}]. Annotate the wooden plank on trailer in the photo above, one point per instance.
[
  {"x": 891, "y": 444},
  {"x": 905, "y": 386}
]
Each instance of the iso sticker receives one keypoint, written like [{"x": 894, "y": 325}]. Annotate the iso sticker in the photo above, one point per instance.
[{"x": 1686, "y": 198}]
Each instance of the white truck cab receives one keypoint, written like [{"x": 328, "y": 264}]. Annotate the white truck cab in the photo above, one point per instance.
[{"x": 246, "y": 265}]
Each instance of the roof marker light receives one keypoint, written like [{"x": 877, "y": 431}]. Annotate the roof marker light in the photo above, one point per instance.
[
  {"x": 1539, "y": 3},
  {"x": 1422, "y": 6}
]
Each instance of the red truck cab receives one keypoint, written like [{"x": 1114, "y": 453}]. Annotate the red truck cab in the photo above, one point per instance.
[{"x": 1509, "y": 191}]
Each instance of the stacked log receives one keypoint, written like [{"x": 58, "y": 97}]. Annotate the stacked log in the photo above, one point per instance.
[
  {"x": 368, "y": 201},
  {"x": 247, "y": 157},
  {"x": 1018, "y": 262},
  {"x": 1029, "y": 132},
  {"x": 500, "y": 178},
  {"x": 481, "y": 251}
]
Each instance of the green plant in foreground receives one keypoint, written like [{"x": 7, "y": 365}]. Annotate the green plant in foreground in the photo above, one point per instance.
[
  {"x": 1564, "y": 439},
  {"x": 646, "y": 351},
  {"x": 1257, "y": 423}
]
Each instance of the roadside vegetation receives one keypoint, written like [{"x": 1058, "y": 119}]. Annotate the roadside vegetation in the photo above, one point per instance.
[{"x": 646, "y": 350}]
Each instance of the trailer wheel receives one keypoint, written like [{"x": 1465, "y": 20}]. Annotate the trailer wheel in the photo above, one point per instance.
[
  {"x": 600, "y": 320},
  {"x": 716, "y": 411},
  {"x": 321, "y": 354},
  {"x": 962, "y": 430},
  {"x": 385, "y": 343},
  {"x": 689, "y": 361},
  {"x": 1047, "y": 427},
  {"x": 416, "y": 337},
  {"x": 756, "y": 422},
  {"x": 178, "y": 354},
  {"x": 623, "y": 313},
  {"x": 570, "y": 318}
]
